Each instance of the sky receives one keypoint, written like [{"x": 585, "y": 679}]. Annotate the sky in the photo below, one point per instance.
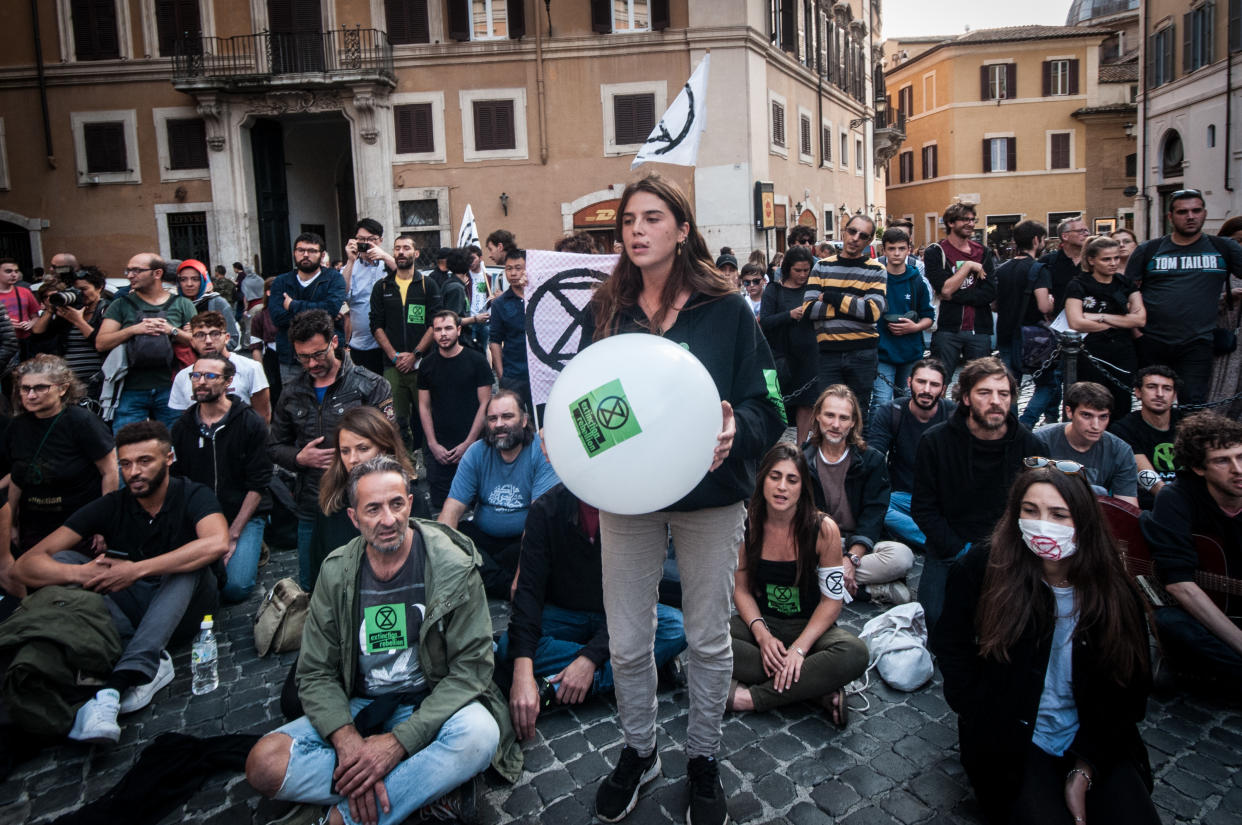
[{"x": 906, "y": 18}]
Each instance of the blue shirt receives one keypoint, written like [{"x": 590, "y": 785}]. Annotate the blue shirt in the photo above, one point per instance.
[
  {"x": 1056, "y": 724},
  {"x": 905, "y": 292},
  {"x": 501, "y": 491},
  {"x": 507, "y": 327},
  {"x": 362, "y": 281}
]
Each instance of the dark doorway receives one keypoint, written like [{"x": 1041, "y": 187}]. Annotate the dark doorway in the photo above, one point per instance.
[
  {"x": 271, "y": 196},
  {"x": 297, "y": 36},
  {"x": 187, "y": 236},
  {"x": 15, "y": 244}
]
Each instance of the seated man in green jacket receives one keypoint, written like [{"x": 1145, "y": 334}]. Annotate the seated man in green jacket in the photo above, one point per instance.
[{"x": 394, "y": 673}]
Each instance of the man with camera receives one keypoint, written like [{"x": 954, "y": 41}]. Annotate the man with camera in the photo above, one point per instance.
[{"x": 366, "y": 265}]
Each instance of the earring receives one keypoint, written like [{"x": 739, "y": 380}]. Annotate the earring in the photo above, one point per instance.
[{"x": 680, "y": 246}]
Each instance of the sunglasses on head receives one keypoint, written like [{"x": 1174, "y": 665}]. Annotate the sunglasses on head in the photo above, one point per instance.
[
  {"x": 1186, "y": 193},
  {"x": 1070, "y": 468}
]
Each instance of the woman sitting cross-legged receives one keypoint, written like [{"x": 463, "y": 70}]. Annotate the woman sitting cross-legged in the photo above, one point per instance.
[{"x": 789, "y": 589}]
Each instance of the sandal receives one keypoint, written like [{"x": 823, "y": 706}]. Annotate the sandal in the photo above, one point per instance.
[{"x": 838, "y": 708}]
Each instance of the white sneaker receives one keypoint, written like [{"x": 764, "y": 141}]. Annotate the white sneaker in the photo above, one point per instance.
[
  {"x": 139, "y": 696},
  {"x": 96, "y": 720},
  {"x": 889, "y": 592}
]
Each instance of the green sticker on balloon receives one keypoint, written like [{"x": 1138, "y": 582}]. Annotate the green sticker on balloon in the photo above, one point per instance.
[{"x": 604, "y": 418}]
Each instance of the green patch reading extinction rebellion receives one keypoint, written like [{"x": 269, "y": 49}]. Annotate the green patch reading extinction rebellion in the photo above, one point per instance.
[
  {"x": 604, "y": 418},
  {"x": 385, "y": 627}
]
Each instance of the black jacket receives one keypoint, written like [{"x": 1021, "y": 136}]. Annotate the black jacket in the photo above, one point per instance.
[
  {"x": 997, "y": 702},
  {"x": 299, "y": 418},
  {"x": 952, "y": 503},
  {"x": 866, "y": 489},
  {"x": 1184, "y": 506},
  {"x": 885, "y": 427},
  {"x": 561, "y": 566},
  {"x": 232, "y": 462},
  {"x": 393, "y": 316},
  {"x": 721, "y": 332}
]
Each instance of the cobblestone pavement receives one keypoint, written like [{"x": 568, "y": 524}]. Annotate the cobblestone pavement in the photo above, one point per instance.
[{"x": 896, "y": 763}]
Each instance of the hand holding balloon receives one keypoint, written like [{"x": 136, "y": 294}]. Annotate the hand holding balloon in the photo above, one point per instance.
[{"x": 724, "y": 441}]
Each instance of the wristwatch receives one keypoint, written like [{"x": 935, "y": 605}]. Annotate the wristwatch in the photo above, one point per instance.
[{"x": 857, "y": 560}]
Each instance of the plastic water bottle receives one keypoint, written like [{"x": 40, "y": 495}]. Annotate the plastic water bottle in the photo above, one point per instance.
[{"x": 203, "y": 659}]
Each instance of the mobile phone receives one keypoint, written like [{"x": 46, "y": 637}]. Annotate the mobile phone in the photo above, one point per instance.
[{"x": 111, "y": 553}]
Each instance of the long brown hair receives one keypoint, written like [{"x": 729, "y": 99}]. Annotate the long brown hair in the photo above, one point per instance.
[
  {"x": 806, "y": 518},
  {"x": 692, "y": 267},
  {"x": 368, "y": 423},
  {"x": 1109, "y": 606},
  {"x": 855, "y": 438}
]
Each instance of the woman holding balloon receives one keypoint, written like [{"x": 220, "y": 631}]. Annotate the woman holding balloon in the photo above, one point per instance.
[{"x": 664, "y": 284}]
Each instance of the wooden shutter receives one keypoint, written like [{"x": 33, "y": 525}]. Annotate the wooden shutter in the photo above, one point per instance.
[
  {"x": 985, "y": 88},
  {"x": 95, "y": 34},
  {"x": 804, "y": 124},
  {"x": 415, "y": 134},
  {"x": 1011, "y": 80},
  {"x": 987, "y": 155},
  {"x": 1235, "y": 25},
  {"x": 517, "y": 18},
  {"x": 176, "y": 20},
  {"x": 659, "y": 15},
  {"x": 1047, "y": 75},
  {"x": 187, "y": 143},
  {"x": 935, "y": 161},
  {"x": 825, "y": 138},
  {"x": 1073, "y": 77},
  {"x": 1060, "y": 150},
  {"x": 778, "y": 124},
  {"x": 458, "y": 20},
  {"x": 1011, "y": 154},
  {"x": 493, "y": 125},
  {"x": 105, "y": 147},
  {"x": 601, "y": 16},
  {"x": 633, "y": 118},
  {"x": 1169, "y": 39},
  {"x": 1188, "y": 41},
  {"x": 789, "y": 26},
  {"x": 407, "y": 21}
]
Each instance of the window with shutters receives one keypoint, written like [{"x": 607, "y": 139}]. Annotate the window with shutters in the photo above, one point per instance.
[
  {"x": 843, "y": 157},
  {"x": 1235, "y": 25},
  {"x": 905, "y": 167},
  {"x": 1060, "y": 150},
  {"x": 930, "y": 162},
  {"x": 995, "y": 82},
  {"x": 905, "y": 99},
  {"x": 631, "y": 16},
  {"x": 106, "y": 146},
  {"x": 178, "y": 20},
  {"x": 1160, "y": 68},
  {"x": 493, "y": 123},
  {"x": 778, "y": 124},
  {"x": 181, "y": 143},
  {"x": 825, "y": 142},
  {"x": 424, "y": 213},
  {"x": 858, "y": 155},
  {"x": 625, "y": 16},
  {"x": 999, "y": 154},
  {"x": 489, "y": 19},
  {"x": 95, "y": 26},
  {"x": 407, "y": 21},
  {"x": 805, "y": 149},
  {"x": 187, "y": 236},
  {"x": 778, "y": 140},
  {"x": 1060, "y": 77},
  {"x": 1199, "y": 31},
  {"x": 630, "y": 112},
  {"x": 414, "y": 129}
]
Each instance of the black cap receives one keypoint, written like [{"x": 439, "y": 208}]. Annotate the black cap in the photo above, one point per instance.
[{"x": 726, "y": 260}]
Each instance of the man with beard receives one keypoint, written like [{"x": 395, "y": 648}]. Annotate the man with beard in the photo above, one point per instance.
[
  {"x": 308, "y": 411},
  {"x": 896, "y": 429},
  {"x": 454, "y": 385},
  {"x": 962, "y": 472},
  {"x": 401, "y": 308},
  {"x": 309, "y": 286},
  {"x": 394, "y": 673},
  {"x": 209, "y": 337},
  {"x": 1182, "y": 277},
  {"x": 507, "y": 330},
  {"x": 960, "y": 269},
  {"x": 1150, "y": 429},
  {"x": 221, "y": 442},
  {"x": 501, "y": 476},
  {"x": 161, "y": 573}
]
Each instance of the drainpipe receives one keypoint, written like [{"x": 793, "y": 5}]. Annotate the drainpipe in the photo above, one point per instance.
[
  {"x": 540, "y": 99},
  {"x": 38, "y": 46},
  {"x": 1228, "y": 114},
  {"x": 1145, "y": 162},
  {"x": 819, "y": 81}
]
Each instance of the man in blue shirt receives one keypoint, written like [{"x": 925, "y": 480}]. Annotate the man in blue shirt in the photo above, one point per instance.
[
  {"x": 309, "y": 286},
  {"x": 501, "y": 476},
  {"x": 507, "y": 329},
  {"x": 901, "y": 328}
]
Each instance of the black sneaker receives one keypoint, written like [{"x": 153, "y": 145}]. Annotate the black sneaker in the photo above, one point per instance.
[
  {"x": 707, "y": 802},
  {"x": 618, "y": 793}
]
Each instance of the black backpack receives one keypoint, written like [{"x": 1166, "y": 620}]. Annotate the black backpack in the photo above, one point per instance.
[{"x": 149, "y": 351}]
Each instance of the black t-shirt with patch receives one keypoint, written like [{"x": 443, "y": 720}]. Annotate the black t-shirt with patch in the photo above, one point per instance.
[
  {"x": 1155, "y": 445},
  {"x": 390, "y": 616},
  {"x": 125, "y": 525},
  {"x": 53, "y": 462},
  {"x": 454, "y": 386}
]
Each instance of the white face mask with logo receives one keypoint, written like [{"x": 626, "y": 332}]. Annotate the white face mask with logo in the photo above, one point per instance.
[{"x": 1047, "y": 539}]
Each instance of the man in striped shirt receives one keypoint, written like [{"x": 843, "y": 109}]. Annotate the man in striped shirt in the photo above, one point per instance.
[{"x": 844, "y": 301}]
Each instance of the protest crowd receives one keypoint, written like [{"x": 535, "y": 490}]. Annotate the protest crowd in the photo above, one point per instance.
[{"x": 1033, "y": 467}]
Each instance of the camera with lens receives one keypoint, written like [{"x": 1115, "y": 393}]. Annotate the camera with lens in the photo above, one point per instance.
[
  {"x": 363, "y": 247},
  {"x": 71, "y": 297}
]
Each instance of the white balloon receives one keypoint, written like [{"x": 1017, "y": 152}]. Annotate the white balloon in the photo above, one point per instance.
[{"x": 631, "y": 423}]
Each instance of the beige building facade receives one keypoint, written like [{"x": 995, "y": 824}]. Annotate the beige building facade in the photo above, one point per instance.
[
  {"x": 221, "y": 129},
  {"x": 1025, "y": 122}
]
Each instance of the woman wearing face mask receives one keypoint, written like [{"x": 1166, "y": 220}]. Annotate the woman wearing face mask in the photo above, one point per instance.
[{"x": 1043, "y": 647}]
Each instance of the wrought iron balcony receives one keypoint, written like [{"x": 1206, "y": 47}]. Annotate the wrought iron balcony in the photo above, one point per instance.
[
  {"x": 890, "y": 133},
  {"x": 270, "y": 59}
]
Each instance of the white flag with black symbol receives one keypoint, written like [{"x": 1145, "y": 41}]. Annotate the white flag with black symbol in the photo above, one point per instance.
[
  {"x": 469, "y": 234},
  {"x": 675, "y": 138}
]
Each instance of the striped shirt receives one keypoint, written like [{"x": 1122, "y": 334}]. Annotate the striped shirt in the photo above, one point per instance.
[{"x": 844, "y": 300}]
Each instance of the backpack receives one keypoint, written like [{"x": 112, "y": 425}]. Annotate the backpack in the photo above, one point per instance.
[
  {"x": 897, "y": 644},
  {"x": 149, "y": 351},
  {"x": 1038, "y": 340},
  {"x": 278, "y": 624}
]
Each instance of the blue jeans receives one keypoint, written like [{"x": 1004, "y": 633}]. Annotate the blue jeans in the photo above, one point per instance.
[
  {"x": 899, "y": 522},
  {"x": 243, "y": 567},
  {"x": 890, "y": 381},
  {"x": 305, "y": 530},
  {"x": 463, "y": 748},
  {"x": 1045, "y": 400},
  {"x": 564, "y": 632},
  {"x": 139, "y": 405}
]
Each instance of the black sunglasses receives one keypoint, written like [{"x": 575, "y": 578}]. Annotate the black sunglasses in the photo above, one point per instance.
[{"x": 751, "y": 281}]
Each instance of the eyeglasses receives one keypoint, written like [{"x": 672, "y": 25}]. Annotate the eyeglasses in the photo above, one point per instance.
[
  {"x": 203, "y": 336},
  {"x": 851, "y": 231},
  {"x": 303, "y": 251},
  {"x": 205, "y": 376},
  {"x": 1070, "y": 468},
  {"x": 134, "y": 270},
  {"x": 751, "y": 281},
  {"x": 366, "y": 239},
  {"x": 313, "y": 356},
  {"x": 1082, "y": 231},
  {"x": 35, "y": 389}
]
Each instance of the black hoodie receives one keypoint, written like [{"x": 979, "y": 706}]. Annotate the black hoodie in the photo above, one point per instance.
[
  {"x": 961, "y": 482},
  {"x": 721, "y": 332},
  {"x": 232, "y": 460}
]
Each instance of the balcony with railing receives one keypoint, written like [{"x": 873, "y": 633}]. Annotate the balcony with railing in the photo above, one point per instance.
[
  {"x": 268, "y": 60},
  {"x": 890, "y": 132}
]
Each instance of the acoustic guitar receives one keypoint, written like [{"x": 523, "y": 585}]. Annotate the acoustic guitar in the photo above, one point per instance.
[{"x": 1213, "y": 575}]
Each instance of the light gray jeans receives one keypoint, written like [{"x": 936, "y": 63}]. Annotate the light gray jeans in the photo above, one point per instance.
[{"x": 633, "y": 550}]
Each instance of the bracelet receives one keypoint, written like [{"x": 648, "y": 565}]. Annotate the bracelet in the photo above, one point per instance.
[
  {"x": 800, "y": 652},
  {"x": 1085, "y": 776},
  {"x": 751, "y": 624}
]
